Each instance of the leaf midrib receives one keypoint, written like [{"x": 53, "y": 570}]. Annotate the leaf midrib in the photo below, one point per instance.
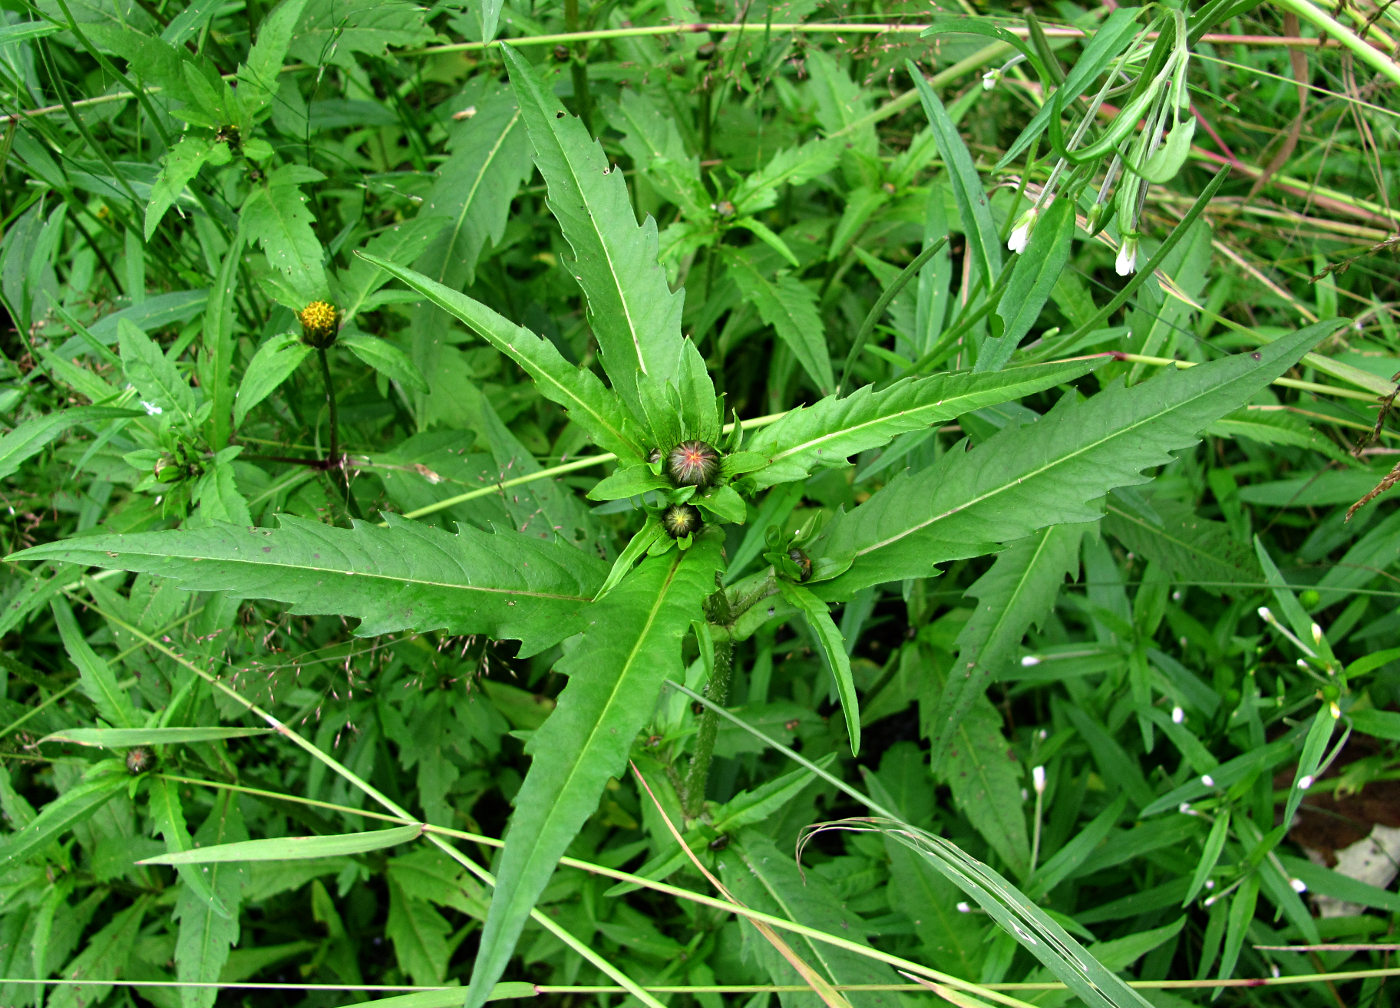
[
  {"x": 1059, "y": 460},
  {"x": 390, "y": 578}
]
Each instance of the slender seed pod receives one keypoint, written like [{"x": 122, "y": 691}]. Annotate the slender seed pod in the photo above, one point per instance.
[
  {"x": 693, "y": 463},
  {"x": 681, "y": 520}
]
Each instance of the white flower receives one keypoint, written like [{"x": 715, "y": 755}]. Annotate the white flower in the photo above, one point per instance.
[
  {"x": 1305, "y": 782},
  {"x": 964, "y": 906},
  {"x": 991, "y": 78},
  {"x": 1127, "y": 257},
  {"x": 1038, "y": 779},
  {"x": 1178, "y": 715},
  {"x": 1021, "y": 233},
  {"x": 151, "y": 408},
  {"x": 1028, "y": 660},
  {"x": 1207, "y": 780},
  {"x": 1299, "y": 886}
]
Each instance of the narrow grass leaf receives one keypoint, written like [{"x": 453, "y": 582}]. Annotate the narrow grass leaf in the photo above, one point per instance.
[
  {"x": 1034, "y": 929},
  {"x": 1054, "y": 470},
  {"x": 29, "y": 437},
  {"x": 616, "y": 671},
  {"x": 124, "y": 738},
  {"x": 833, "y": 647},
  {"x": 1210, "y": 855},
  {"x": 405, "y": 576},
  {"x": 577, "y": 389},
  {"x": 826, "y": 433},
  {"x": 292, "y": 848},
  {"x": 1034, "y": 276},
  {"x": 983, "y": 242}
]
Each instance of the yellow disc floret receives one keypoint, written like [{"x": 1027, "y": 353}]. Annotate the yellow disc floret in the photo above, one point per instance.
[{"x": 319, "y": 322}]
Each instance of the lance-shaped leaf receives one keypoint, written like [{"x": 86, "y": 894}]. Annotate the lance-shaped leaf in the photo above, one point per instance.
[
  {"x": 406, "y": 576},
  {"x": 630, "y": 648},
  {"x": 1054, "y": 470},
  {"x": 292, "y": 848},
  {"x": 635, "y": 315},
  {"x": 1018, "y": 590},
  {"x": 827, "y": 432},
  {"x": 578, "y": 390}
]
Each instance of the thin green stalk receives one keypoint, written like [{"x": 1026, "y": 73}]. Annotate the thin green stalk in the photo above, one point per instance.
[
  {"x": 1368, "y": 54},
  {"x": 333, "y": 460},
  {"x": 877, "y": 310}
]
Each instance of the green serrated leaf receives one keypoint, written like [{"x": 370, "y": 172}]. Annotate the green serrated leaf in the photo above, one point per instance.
[
  {"x": 790, "y": 307},
  {"x": 258, "y": 76},
  {"x": 1020, "y": 589},
  {"x": 406, "y": 576},
  {"x": 767, "y": 878},
  {"x": 420, "y": 937},
  {"x": 1054, "y": 470},
  {"x": 983, "y": 776},
  {"x": 206, "y": 939},
  {"x": 78, "y": 802},
  {"x": 633, "y": 312},
  {"x": 331, "y": 32},
  {"x": 474, "y": 188},
  {"x": 616, "y": 671},
  {"x": 793, "y": 166},
  {"x": 385, "y": 358},
  {"x": 827, "y": 432},
  {"x": 274, "y": 363},
  {"x": 153, "y": 374},
  {"x": 95, "y": 676},
  {"x": 169, "y": 817},
  {"x": 277, "y": 215},
  {"x": 577, "y": 389},
  {"x": 180, "y": 165}
]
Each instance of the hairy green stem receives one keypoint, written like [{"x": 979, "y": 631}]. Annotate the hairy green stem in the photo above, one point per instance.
[{"x": 717, "y": 692}]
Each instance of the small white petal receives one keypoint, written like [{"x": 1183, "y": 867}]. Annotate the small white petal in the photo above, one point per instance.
[
  {"x": 151, "y": 408},
  {"x": 1305, "y": 782},
  {"x": 1265, "y": 614},
  {"x": 1317, "y": 634},
  {"x": 1178, "y": 715},
  {"x": 1299, "y": 886},
  {"x": 964, "y": 906},
  {"x": 1028, "y": 660},
  {"x": 1127, "y": 258},
  {"x": 1185, "y": 808},
  {"x": 1038, "y": 779},
  {"x": 1207, "y": 780},
  {"x": 1020, "y": 236}
]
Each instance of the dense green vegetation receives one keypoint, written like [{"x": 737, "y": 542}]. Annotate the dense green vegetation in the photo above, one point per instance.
[{"x": 893, "y": 499}]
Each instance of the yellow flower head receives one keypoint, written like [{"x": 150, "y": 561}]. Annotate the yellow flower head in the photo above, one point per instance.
[{"x": 319, "y": 322}]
